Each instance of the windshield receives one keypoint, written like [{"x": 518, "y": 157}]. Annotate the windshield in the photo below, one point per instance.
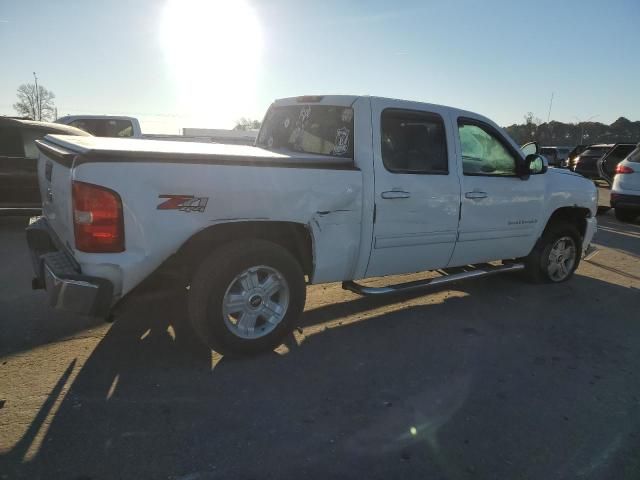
[{"x": 317, "y": 129}]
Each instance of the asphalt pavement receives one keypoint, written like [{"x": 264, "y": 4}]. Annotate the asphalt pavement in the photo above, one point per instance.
[{"x": 490, "y": 379}]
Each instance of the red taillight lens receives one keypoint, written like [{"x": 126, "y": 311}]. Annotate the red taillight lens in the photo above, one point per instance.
[
  {"x": 97, "y": 219},
  {"x": 623, "y": 169}
]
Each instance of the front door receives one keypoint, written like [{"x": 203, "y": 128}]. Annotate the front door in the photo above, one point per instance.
[
  {"x": 417, "y": 189},
  {"x": 501, "y": 213}
]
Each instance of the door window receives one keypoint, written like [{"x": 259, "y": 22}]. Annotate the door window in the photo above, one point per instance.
[
  {"x": 413, "y": 142},
  {"x": 483, "y": 153}
]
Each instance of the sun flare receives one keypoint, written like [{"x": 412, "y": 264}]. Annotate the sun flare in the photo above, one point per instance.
[{"x": 212, "y": 48}]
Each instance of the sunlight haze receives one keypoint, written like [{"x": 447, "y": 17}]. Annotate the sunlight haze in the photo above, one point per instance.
[{"x": 199, "y": 63}]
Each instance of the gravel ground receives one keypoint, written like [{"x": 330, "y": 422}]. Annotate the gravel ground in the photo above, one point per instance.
[{"x": 492, "y": 379}]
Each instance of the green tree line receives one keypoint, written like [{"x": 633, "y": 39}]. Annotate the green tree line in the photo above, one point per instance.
[{"x": 569, "y": 134}]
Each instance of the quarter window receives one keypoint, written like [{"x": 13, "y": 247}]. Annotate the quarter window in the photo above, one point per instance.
[
  {"x": 413, "y": 142},
  {"x": 483, "y": 153}
]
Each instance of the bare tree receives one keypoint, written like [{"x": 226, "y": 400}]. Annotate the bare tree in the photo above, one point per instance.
[
  {"x": 247, "y": 124},
  {"x": 36, "y": 104}
]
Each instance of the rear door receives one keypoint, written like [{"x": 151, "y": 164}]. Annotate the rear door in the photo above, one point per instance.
[
  {"x": 417, "y": 188},
  {"x": 501, "y": 212}
]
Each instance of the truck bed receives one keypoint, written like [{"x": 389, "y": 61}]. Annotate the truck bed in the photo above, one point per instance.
[{"x": 68, "y": 149}]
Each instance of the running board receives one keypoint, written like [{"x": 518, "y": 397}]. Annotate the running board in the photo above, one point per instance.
[{"x": 479, "y": 271}]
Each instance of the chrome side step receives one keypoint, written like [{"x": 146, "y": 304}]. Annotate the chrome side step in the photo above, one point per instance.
[
  {"x": 478, "y": 271},
  {"x": 590, "y": 252}
]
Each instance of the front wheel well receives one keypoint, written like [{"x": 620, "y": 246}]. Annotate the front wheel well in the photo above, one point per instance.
[
  {"x": 574, "y": 215},
  {"x": 294, "y": 237}
]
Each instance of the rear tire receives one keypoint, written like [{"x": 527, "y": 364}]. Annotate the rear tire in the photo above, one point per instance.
[
  {"x": 625, "y": 215},
  {"x": 245, "y": 298},
  {"x": 556, "y": 255}
]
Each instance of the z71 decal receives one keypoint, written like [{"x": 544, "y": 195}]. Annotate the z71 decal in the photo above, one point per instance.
[{"x": 183, "y": 203}]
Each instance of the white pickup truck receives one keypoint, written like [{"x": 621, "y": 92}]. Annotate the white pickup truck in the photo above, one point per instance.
[{"x": 337, "y": 188}]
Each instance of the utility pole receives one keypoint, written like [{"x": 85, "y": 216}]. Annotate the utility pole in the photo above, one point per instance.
[
  {"x": 550, "y": 103},
  {"x": 37, "y": 112}
]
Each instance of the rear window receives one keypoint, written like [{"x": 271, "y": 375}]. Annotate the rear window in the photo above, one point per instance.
[
  {"x": 635, "y": 155},
  {"x": 105, "y": 127},
  {"x": 316, "y": 129},
  {"x": 595, "y": 151},
  {"x": 620, "y": 152},
  {"x": 548, "y": 152}
]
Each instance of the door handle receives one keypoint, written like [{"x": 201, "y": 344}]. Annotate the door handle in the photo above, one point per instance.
[
  {"x": 393, "y": 194},
  {"x": 475, "y": 195}
]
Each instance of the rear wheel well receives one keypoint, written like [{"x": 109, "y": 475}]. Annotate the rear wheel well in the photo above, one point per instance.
[
  {"x": 574, "y": 215},
  {"x": 294, "y": 237}
]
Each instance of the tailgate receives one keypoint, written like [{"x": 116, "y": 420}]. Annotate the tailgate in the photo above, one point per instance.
[{"x": 55, "y": 166}]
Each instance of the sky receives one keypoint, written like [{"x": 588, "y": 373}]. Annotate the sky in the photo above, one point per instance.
[{"x": 206, "y": 63}]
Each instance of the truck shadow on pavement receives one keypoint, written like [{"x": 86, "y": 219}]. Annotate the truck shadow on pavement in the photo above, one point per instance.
[{"x": 501, "y": 380}]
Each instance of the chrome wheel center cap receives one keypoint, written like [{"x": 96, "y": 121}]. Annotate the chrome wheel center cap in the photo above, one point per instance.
[{"x": 255, "y": 301}]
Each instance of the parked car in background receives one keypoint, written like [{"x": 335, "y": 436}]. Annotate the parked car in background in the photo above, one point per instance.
[
  {"x": 625, "y": 191},
  {"x": 573, "y": 154},
  {"x": 19, "y": 193},
  {"x": 104, "y": 125},
  {"x": 586, "y": 163},
  {"x": 556, "y": 156},
  {"x": 608, "y": 163}
]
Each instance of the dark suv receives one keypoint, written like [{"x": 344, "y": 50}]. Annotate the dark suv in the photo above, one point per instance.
[
  {"x": 19, "y": 192},
  {"x": 586, "y": 163},
  {"x": 556, "y": 156}
]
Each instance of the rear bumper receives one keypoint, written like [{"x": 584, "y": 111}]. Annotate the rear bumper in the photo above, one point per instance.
[
  {"x": 619, "y": 200},
  {"x": 56, "y": 271}
]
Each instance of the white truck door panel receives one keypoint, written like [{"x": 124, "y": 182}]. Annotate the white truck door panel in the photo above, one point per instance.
[
  {"x": 417, "y": 188},
  {"x": 501, "y": 213}
]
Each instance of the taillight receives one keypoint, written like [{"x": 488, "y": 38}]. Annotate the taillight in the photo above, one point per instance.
[
  {"x": 623, "y": 169},
  {"x": 97, "y": 219}
]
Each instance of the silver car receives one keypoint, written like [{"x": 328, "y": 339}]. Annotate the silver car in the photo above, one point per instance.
[{"x": 625, "y": 191}]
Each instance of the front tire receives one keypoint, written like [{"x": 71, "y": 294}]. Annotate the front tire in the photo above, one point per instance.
[
  {"x": 245, "y": 298},
  {"x": 625, "y": 215},
  {"x": 556, "y": 255}
]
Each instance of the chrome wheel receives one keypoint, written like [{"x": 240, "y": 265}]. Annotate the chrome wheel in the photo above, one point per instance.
[
  {"x": 255, "y": 302},
  {"x": 562, "y": 258}
]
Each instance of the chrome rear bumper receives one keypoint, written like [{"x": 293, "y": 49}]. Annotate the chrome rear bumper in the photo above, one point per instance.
[{"x": 57, "y": 272}]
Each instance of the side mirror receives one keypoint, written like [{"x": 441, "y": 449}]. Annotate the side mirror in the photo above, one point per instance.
[
  {"x": 536, "y": 164},
  {"x": 530, "y": 148}
]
